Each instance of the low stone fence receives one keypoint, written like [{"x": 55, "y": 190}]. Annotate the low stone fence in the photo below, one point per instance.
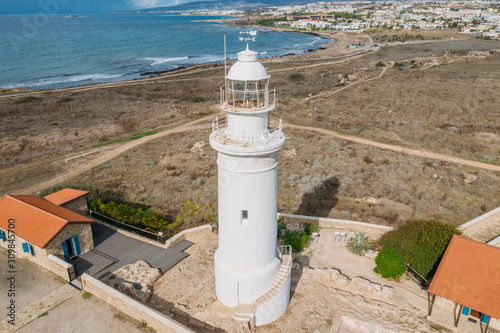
[
  {"x": 183, "y": 234},
  {"x": 135, "y": 309},
  {"x": 297, "y": 222},
  {"x": 61, "y": 267}
]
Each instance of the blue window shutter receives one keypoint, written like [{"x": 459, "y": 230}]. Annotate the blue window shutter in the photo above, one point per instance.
[
  {"x": 484, "y": 318},
  {"x": 25, "y": 247},
  {"x": 2, "y": 235},
  {"x": 31, "y": 249},
  {"x": 77, "y": 245},
  {"x": 466, "y": 311},
  {"x": 65, "y": 250}
]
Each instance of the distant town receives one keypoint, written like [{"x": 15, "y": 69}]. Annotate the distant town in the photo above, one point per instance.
[{"x": 480, "y": 18}]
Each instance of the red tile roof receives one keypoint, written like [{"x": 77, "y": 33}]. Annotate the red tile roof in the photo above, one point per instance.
[
  {"x": 38, "y": 220},
  {"x": 469, "y": 274},
  {"x": 65, "y": 195}
]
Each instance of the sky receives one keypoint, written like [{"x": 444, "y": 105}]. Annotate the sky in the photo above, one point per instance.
[{"x": 79, "y": 6}]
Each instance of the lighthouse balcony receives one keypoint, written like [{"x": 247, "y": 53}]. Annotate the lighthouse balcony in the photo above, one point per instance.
[
  {"x": 273, "y": 135},
  {"x": 247, "y": 100}
]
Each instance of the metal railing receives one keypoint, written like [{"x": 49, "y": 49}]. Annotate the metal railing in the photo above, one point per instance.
[
  {"x": 141, "y": 232},
  {"x": 274, "y": 127},
  {"x": 246, "y": 100}
]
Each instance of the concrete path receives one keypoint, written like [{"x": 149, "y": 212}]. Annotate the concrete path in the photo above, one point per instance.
[
  {"x": 43, "y": 304},
  {"x": 113, "y": 250}
]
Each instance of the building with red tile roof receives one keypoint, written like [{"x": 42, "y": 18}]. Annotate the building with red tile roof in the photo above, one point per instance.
[
  {"x": 469, "y": 275},
  {"x": 65, "y": 196},
  {"x": 34, "y": 228}
]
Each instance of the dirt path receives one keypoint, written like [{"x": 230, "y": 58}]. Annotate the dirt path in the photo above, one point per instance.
[{"x": 403, "y": 150}]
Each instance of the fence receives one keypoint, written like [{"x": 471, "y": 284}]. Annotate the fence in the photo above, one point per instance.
[
  {"x": 415, "y": 277},
  {"x": 144, "y": 233}
]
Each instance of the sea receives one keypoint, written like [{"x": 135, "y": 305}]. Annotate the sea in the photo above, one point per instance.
[{"x": 57, "y": 51}]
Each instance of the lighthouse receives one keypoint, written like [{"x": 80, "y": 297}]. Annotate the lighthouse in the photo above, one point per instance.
[{"x": 252, "y": 273}]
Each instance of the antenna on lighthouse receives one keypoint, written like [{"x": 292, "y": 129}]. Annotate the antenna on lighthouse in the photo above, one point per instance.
[{"x": 248, "y": 38}]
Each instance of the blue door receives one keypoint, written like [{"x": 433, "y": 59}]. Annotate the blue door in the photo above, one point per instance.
[
  {"x": 65, "y": 250},
  {"x": 76, "y": 243}
]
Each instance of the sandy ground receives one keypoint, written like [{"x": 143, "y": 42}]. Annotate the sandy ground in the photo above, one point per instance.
[
  {"x": 321, "y": 301},
  {"x": 75, "y": 314}
]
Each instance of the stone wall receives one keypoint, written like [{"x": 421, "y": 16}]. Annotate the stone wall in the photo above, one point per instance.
[
  {"x": 131, "y": 307},
  {"x": 296, "y": 222},
  {"x": 84, "y": 232},
  {"x": 78, "y": 205},
  {"x": 39, "y": 257}
]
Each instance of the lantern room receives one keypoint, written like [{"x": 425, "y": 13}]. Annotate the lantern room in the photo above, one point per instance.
[{"x": 246, "y": 86}]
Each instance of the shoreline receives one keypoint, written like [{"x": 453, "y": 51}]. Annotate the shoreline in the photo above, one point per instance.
[{"x": 323, "y": 51}]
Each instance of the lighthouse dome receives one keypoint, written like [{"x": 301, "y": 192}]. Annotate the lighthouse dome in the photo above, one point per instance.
[{"x": 247, "y": 68}]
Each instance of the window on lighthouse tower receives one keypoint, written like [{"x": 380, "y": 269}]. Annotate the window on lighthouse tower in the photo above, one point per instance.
[{"x": 244, "y": 217}]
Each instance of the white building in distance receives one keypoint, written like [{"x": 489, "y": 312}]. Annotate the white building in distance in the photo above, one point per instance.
[{"x": 252, "y": 274}]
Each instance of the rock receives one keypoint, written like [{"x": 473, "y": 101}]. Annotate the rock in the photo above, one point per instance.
[
  {"x": 198, "y": 182},
  {"x": 185, "y": 179},
  {"x": 136, "y": 280},
  {"x": 198, "y": 147}
]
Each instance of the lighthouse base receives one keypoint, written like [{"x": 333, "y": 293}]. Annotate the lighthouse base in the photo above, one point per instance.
[
  {"x": 253, "y": 291},
  {"x": 233, "y": 287}
]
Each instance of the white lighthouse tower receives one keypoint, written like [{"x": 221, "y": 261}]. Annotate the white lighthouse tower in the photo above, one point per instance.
[{"x": 252, "y": 274}]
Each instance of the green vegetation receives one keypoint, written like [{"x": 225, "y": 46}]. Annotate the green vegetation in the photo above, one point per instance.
[
  {"x": 420, "y": 244},
  {"x": 43, "y": 314},
  {"x": 389, "y": 264},
  {"x": 192, "y": 215},
  {"x": 27, "y": 99},
  {"x": 139, "y": 217},
  {"x": 195, "y": 99},
  {"x": 380, "y": 64},
  {"x": 359, "y": 243},
  {"x": 296, "y": 239},
  {"x": 309, "y": 228},
  {"x": 296, "y": 77},
  {"x": 86, "y": 295}
]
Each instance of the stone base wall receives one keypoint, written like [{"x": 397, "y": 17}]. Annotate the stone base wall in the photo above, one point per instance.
[
  {"x": 78, "y": 205},
  {"x": 131, "y": 307},
  {"x": 84, "y": 232},
  {"x": 39, "y": 257}
]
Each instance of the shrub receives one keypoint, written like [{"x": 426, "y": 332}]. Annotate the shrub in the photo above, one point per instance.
[
  {"x": 420, "y": 244},
  {"x": 389, "y": 264},
  {"x": 296, "y": 239},
  {"x": 359, "y": 243},
  {"x": 27, "y": 99},
  {"x": 380, "y": 64},
  {"x": 296, "y": 77},
  {"x": 281, "y": 227},
  {"x": 309, "y": 228},
  {"x": 195, "y": 99}
]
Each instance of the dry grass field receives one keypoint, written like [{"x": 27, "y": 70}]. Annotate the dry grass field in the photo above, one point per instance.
[{"x": 448, "y": 107}]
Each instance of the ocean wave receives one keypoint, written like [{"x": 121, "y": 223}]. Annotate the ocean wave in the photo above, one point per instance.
[
  {"x": 60, "y": 79},
  {"x": 158, "y": 61}
]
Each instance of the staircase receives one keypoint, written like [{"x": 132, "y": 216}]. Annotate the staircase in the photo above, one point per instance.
[{"x": 246, "y": 312}]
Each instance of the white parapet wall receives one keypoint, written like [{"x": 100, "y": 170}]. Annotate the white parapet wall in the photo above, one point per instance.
[
  {"x": 131, "y": 307},
  {"x": 374, "y": 230},
  {"x": 276, "y": 307},
  {"x": 495, "y": 213},
  {"x": 183, "y": 234}
]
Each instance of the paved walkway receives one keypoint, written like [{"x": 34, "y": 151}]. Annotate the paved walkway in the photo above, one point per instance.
[
  {"x": 43, "y": 304},
  {"x": 113, "y": 250}
]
